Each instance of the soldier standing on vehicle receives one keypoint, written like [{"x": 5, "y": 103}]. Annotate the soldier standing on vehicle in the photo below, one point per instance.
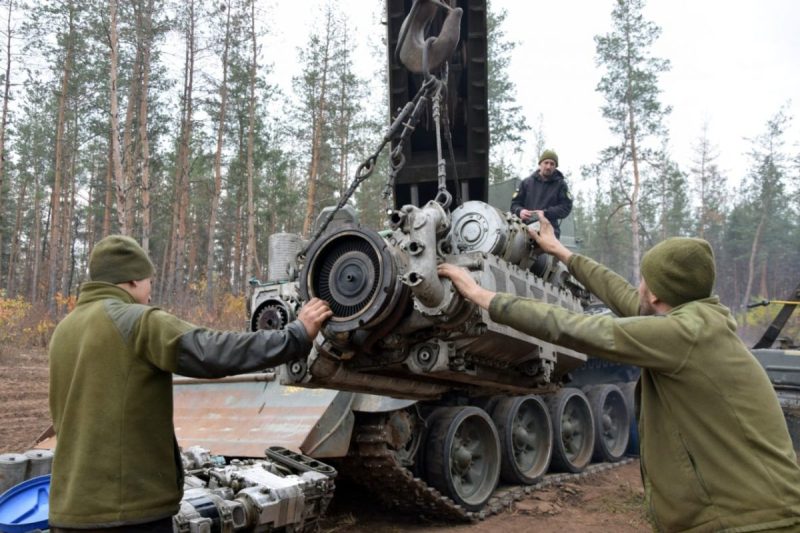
[
  {"x": 545, "y": 190},
  {"x": 117, "y": 464},
  {"x": 715, "y": 450}
]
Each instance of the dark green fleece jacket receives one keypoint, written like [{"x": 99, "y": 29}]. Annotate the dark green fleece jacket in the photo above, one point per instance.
[
  {"x": 715, "y": 451},
  {"x": 111, "y": 366}
]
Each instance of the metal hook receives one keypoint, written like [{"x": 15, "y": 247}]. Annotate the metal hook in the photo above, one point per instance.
[{"x": 412, "y": 46}]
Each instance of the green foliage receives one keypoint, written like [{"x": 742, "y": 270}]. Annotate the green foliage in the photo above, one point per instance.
[
  {"x": 630, "y": 82},
  {"x": 507, "y": 123}
]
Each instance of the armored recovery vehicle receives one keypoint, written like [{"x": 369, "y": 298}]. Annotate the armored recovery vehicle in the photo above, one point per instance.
[{"x": 410, "y": 389}]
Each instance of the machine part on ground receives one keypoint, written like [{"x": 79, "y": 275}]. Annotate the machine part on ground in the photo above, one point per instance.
[
  {"x": 284, "y": 491},
  {"x": 612, "y": 422},
  {"x": 12, "y": 470},
  {"x": 40, "y": 463},
  {"x": 574, "y": 433}
]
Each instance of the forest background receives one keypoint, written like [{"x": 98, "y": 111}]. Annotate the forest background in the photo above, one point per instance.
[{"x": 164, "y": 121}]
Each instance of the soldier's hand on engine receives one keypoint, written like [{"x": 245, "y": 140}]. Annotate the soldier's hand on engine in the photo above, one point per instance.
[
  {"x": 466, "y": 285},
  {"x": 547, "y": 240},
  {"x": 525, "y": 215},
  {"x": 313, "y": 314}
]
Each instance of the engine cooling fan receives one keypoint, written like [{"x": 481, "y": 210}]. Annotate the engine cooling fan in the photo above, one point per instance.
[{"x": 353, "y": 270}]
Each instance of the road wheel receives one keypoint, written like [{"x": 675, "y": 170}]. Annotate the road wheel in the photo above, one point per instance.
[
  {"x": 462, "y": 455},
  {"x": 612, "y": 422},
  {"x": 526, "y": 438},
  {"x": 573, "y": 430}
]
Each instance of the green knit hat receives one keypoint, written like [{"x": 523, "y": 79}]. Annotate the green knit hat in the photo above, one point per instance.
[
  {"x": 679, "y": 270},
  {"x": 117, "y": 259},
  {"x": 549, "y": 154}
]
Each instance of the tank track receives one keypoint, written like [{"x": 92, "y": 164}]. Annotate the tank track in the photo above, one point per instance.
[{"x": 372, "y": 464}]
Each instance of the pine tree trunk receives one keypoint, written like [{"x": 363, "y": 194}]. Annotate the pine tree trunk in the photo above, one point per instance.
[
  {"x": 751, "y": 263},
  {"x": 3, "y": 121},
  {"x": 67, "y": 260},
  {"x": 176, "y": 279},
  {"x": 144, "y": 143},
  {"x": 129, "y": 162},
  {"x": 33, "y": 283},
  {"x": 12, "y": 260},
  {"x": 55, "y": 247},
  {"x": 109, "y": 197},
  {"x": 636, "y": 247},
  {"x": 316, "y": 136},
  {"x": 217, "y": 192},
  {"x": 252, "y": 259},
  {"x": 121, "y": 187}
]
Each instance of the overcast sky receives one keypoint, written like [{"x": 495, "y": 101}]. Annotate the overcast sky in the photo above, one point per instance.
[{"x": 733, "y": 65}]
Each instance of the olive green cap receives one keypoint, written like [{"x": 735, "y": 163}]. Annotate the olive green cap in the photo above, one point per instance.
[
  {"x": 549, "y": 154},
  {"x": 679, "y": 270},
  {"x": 117, "y": 259}
]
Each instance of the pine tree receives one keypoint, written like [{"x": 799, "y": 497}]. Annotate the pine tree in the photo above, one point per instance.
[
  {"x": 764, "y": 191},
  {"x": 710, "y": 190},
  {"x": 635, "y": 115},
  {"x": 507, "y": 124}
]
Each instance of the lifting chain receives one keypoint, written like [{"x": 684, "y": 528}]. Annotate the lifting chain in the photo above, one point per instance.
[{"x": 433, "y": 89}]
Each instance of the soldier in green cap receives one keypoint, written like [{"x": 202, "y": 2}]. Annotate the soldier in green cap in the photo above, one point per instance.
[
  {"x": 116, "y": 464},
  {"x": 715, "y": 450},
  {"x": 545, "y": 190}
]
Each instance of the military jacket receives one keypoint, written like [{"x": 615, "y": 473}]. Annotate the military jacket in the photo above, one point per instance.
[
  {"x": 551, "y": 196},
  {"x": 715, "y": 450},
  {"x": 111, "y": 366}
]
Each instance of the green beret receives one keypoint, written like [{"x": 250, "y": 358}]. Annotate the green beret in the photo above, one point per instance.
[
  {"x": 117, "y": 259},
  {"x": 679, "y": 270},
  {"x": 549, "y": 154}
]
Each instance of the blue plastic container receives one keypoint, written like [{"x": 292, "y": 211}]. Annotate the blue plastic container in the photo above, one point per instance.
[{"x": 24, "y": 507}]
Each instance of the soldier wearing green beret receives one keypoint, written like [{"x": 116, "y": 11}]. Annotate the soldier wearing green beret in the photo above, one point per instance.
[
  {"x": 716, "y": 454},
  {"x": 116, "y": 464},
  {"x": 545, "y": 190}
]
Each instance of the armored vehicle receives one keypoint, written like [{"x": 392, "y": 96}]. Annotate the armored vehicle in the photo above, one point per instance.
[{"x": 409, "y": 385}]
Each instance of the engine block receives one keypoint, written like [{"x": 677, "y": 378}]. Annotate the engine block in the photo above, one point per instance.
[{"x": 400, "y": 330}]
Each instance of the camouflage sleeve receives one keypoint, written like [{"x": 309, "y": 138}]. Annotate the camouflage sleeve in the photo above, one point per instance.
[
  {"x": 637, "y": 340},
  {"x": 611, "y": 288}
]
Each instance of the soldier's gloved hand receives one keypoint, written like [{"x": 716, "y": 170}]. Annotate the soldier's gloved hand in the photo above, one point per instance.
[{"x": 313, "y": 314}]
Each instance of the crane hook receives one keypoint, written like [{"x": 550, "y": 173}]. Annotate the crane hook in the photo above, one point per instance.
[{"x": 422, "y": 54}]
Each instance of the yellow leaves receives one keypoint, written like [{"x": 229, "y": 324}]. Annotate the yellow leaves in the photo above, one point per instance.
[
  {"x": 13, "y": 312},
  {"x": 23, "y": 325},
  {"x": 66, "y": 303}
]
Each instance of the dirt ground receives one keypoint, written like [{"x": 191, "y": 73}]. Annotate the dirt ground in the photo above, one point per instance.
[{"x": 607, "y": 501}]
